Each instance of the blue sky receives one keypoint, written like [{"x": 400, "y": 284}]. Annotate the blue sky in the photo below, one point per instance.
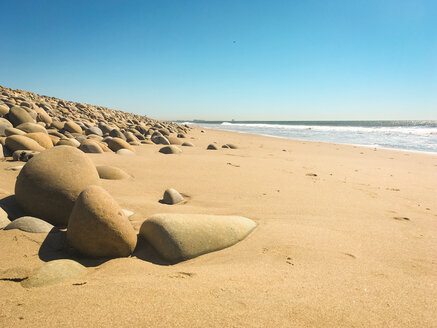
[{"x": 243, "y": 60}]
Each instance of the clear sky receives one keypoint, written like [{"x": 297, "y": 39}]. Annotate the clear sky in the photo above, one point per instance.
[{"x": 228, "y": 59}]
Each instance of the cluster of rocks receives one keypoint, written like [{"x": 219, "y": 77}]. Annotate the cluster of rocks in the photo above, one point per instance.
[
  {"x": 59, "y": 186},
  {"x": 30, "y": 123}
]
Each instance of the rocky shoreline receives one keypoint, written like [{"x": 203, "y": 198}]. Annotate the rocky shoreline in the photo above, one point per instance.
[{"x": 57, "y": 190}]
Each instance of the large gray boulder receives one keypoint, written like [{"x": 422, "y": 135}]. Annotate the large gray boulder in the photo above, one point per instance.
[
  {"x": 98, "y": 227},
  {"x": 55, "y": 272},
  {"x": 178, "y": 237},
  {"x": 49, "y": 184}
]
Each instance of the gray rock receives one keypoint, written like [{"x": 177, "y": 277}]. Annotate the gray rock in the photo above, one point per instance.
[
  {"x": 91, "y": 147},
  {"x": 55, "y": 272},
  {"x": 172, "y": 196},
  {"x": 30, "y": 224},
  {"x": 212, "y": 147},
  {"x": 94, "y": 130},
  {"x": 24, "y": 155},
  {"x": 178, "y": 237},
  {"x": 187, "y": 144},
  {"x": 170, "y": 150}
]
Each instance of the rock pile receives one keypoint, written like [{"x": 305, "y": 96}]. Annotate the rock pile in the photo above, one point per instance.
[{"x": 32, "y": 122}]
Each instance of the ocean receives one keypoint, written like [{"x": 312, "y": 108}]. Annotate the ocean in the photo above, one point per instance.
[{"x": 403, "y": 135}]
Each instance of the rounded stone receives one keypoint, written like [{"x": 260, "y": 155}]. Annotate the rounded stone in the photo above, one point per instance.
[
  {"x": 187, "y": 144},
  {"x": 30, "y": 224},
  {"x": 212, "y": 147},
  {"x": 98, "y": 226},
  {"x": 43, "y": 139},
  {"x": 31, "y": 127},
  {"x": 55, "y": 272},
  {"x": 16, "y": 142},
  {"x": 91, "y": 147},
  {"x": 24, "y": 155},
  {"x": 3, "y": 109},
  {"x": 111, "y": 173},
  {"x": 172, "y": 196},
  {"x": 14, "y": 131},
  {"x": 178, "y": 237},
  {"x": 116, "y": 144},
  {"x": 94, "y": 130},
  {"x": 18, "y": 115},
  {"x": 49, "y": 184},
  {"x": 68, "y": 142},
  {"x": 72, "y": 127},
  {"x": 174, "y": 141},
  {"x": 125, "y": 152},
  {"x": 170, "y": 150}
]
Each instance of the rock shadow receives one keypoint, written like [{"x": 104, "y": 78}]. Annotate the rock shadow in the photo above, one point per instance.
[
  {"x": 55, "y": 247},
  {"x": 144, "y": 251},
  {"x": 9, "y": 205}
]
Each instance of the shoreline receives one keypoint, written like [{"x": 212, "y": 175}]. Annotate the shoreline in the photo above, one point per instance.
[{"x": 327, "y": 142}]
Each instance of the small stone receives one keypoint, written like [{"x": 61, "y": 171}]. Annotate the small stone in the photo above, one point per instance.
[
  {"x": 116, "y": 144},
  {"x": 30, "y": 224},
  {"x": 24, "y": 155},
  {"x": 111, "y": 173},
  {"x": 55, "y": 272},
  {"x": 212, "y": 147},
  {"x": 91, "y": 147},
  {"x": 128, "y": 213},
  {"x": 125, "y": 152},
  {"x": 18, "y": 115},
  {"x": 170, "y": 150},
  {"x": 31, "y": 127},
  {"x": 172, "y": 196},
  {"x": 72, "y": 127},
  {"x": 14, "y": 168},
  {"x": 187, "y": 144}
]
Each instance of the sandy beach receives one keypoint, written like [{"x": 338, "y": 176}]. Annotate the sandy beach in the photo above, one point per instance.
[{"x": 346, "y": 237}]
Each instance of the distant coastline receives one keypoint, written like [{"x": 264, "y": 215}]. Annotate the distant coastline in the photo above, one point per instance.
[{"x": 411, "y": 135}]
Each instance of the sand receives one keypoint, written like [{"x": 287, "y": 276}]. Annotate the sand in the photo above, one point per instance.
[{"x": 346, "y": 237}]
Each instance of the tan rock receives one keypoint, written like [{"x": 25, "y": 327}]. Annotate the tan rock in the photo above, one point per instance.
[
  {"x": 116, "y": 144},
  {"x": 49, "y": 184},
  {"x": 111, "y": 173},
  {"x": 43, "y": 139},
  {"x": 98, "y": 226},
  {"x": 72, "y": 127},
  {"x": 16, "y": 142}
]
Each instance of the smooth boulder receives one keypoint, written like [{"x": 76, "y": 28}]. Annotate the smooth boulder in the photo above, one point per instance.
[
  {"x": 54, "y": 272},
  {"x": 98, "y": 227},
  {"x": 116, "y": 144},
  {"x": 16, "y": 142},
  {"x": 178, "y": 237},
  {"x": 4, "y": 220},
  {"x": 18, "y": 115},
  {"x": 49, "y": 184}
]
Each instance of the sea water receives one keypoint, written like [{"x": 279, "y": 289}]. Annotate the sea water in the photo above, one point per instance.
[{"x": 404, "y": 135}]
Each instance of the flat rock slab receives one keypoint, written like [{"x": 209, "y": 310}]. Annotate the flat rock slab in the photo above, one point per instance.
[
  {"x": 30, "y": 224},
  {"x": 54, "y": 272},
  {"x": 178, "y": 237}
]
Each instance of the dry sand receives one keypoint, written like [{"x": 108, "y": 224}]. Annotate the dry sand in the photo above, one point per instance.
[{"x": 354, "y": 246}]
